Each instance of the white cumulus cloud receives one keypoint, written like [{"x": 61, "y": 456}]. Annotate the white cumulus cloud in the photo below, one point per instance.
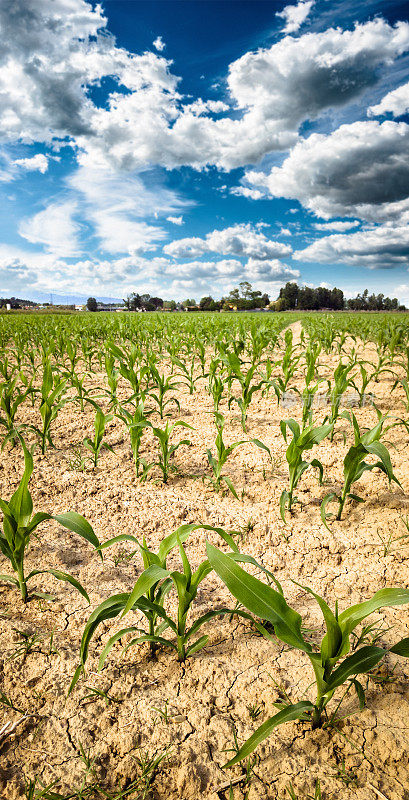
[
  {"x": 236, "y": 240},
  {"x": 359, "y": 170},
  {"x": 55, "y": 228},
  {"x": 296, "y": 15},
  {"x": 159, "y": 44},
  {"x": 395, "y": 102},
  {"x": 38, "y": 163}
]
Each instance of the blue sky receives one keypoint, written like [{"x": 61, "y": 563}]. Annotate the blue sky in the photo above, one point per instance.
[{"x": 180, "y": 147}]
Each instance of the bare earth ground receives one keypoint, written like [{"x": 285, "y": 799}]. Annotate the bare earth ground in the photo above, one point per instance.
[{"x": 238, "y": 669}]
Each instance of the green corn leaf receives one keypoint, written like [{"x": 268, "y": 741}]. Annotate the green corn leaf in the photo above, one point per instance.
[
  {"x": 21, "y": 504},
  {"x": 283, "y": 502},
  {"x": 401, "y": 648},
  {"x": 9, "y": 579},
  {"x": 149, "y": 577},
  {"x": 287, "y": 714},
  {"x": 262, "y": 446},
  {"x": 111, "y": 641},
  {"x": 351, "y": 617},
  {"x": 243, "y": 558},
  {"x": 76, "y": 677},
  {"x": 333, "y": 638},
  {"x": 108, "y": 609},
  {"x": 318, "y": 465},
  {"x": 61, "y": 576},
  {"x": 362, "y": 660},
  {"x": 311, "y": 436},
  {"x": 220, "y": 612},
  {"x": 78, "y": 524},
  {"x": 122, "y": 537},
  {"x": 169, "y": 542},
  {"x": 36, "y": 519},
  {"x": 186, "y": 566},
  {"x": 360, "y": 693},
  {"x": 262, "y": 600},
  {"x": 198, "y": 645},
  {"x": 148, "y": 637},
  {"x": 230, "y": 485},
  {"x": 323, "y": 509}
]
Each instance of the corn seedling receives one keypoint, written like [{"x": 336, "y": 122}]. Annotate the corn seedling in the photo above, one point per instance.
[
  {"x": 19, "y": 523},
  {"x": 112, "y": 375},
  {"x": 268, "y": 603},
  {"x": 301, "y": 441},
  {"x": 166, "y": 449},
  {"x": 148, "y": 596},
  {"x": 342, "y": 380},
  {"x": 97, "y": 444},
  {"x": 136, "y": 423},
  {"x": 218, "y": 461},
  {"x": 160, "y": 388},
  {"x": 355, "y": 465},
  {"x": 307, "y": 400},
  {"x": 311, "y": 361},
  {"x": 132, "y": 370},
  {"x": 288, "y": 364},
  {"x": 366, "y": 379},
  {"x": 187, "y": 371},
  {"x": 246, "y": 386},
  {"x": 51, "y": 402},
  {"x": 11, "y": 398}
]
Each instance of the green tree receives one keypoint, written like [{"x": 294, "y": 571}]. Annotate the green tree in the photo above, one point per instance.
[{"x": 92, "y": 304}]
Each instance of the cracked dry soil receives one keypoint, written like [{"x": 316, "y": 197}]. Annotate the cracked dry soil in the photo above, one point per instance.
[{"x": 365, "y": 758}]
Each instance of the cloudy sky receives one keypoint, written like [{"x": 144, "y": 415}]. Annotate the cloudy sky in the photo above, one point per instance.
[{"x": 179, "y": 147}]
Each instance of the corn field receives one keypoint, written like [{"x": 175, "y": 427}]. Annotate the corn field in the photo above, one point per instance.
[{"x": 204, "y": 556}]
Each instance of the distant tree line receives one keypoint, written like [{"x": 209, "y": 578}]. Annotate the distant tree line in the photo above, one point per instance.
[
  {"x": 15, "y": 302},
  {"x": 135, "y": 302},
  {"x": 304, "y": 298},
  {"x": 245, "y": 298},
  {"x": 372, "y": 302}
]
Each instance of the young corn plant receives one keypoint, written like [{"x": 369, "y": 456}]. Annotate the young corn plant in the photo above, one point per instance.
[
  {"x": 187, "y": 372},
  {"x": 307, "y": 400},
  {"x": 136, "y": 423},
  {"x": 355, "y": 465},
  {"x": 161, "y": 386},
  {"x": 311, "y": 361},
  {"x": 11, "y": 398},
  {"x": 19, "y": 523},
  {"x": 112, "y": 375},
  {"x": 342, "y": 380},
  {"x": 288, "y": 364},
  {"x": 268, "y": 603},
  {"x": 218, "y": 461},
  {"x": 245, "y": 381},
  {"x": 366, "y": 378},
  {"x": 148, "y": 596},
  {"x": 52, "y": 401},
  {"x": 216, "y": 383},
  {"x": 132, "y": 369},
  {"x": 78, "y": 384},
  {"x": 301, "y": 441},
  {"x": 97, "y": 444},
  {"x": 167, "y": 450}
]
